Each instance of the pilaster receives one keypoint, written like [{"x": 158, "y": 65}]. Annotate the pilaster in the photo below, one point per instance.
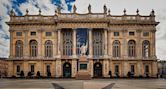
[
  {"x": 74, "y": 43},
  {"x": 59, "y": 43},
  {"x": 58, "y": 68},
  {"x": 105, "y": 43},
  {"x": 74, "y": 69},
  {"x": 90, "y": 44}
]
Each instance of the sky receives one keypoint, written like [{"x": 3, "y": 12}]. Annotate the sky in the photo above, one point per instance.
[{"x": 116, "y": 6}]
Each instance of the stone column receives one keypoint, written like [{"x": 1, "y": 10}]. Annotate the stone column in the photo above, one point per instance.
[
  {"x": 124, "y": 46},
  {"x": 40, "y": 44},
  {"x": 74, "y": 67},
  {"x": 10, "y": 68},
  {"x": 25, "y": 51},
  {"x": 138, "y": 44},
  {"x": 59, "y": 43},
  {"x": 105, "y": 68},
  {"x": 153, "y": 44},
  {"x": 105, "y": 44},
  {"x": 154, "y": 69},
  {"x": 74, "y": 43},
  {"x": 55, "y": 44},
  {"x": 11, "y": 43},
  {"x": 91, "y": 67},
  {"x": 58, "y": 68},
  {"x": 90, "y": 44}
]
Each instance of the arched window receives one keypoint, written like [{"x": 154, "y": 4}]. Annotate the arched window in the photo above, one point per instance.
[
  {"x": 146, "y": 49},
  {"x": 48, "y": 48},
  {"x": 67, "y": 42},
  {"x": 19, "y": 48},
  {"x": 131, "y": 48},
  {"x": 98, "y": 47},
  {"x": 33, "y": 48},
  {"x": 116, "y": 49}
]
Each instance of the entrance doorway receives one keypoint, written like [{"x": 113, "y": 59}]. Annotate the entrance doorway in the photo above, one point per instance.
[
  {"x": 67, "y": 70},
  {"x": 97, "y": 69}
]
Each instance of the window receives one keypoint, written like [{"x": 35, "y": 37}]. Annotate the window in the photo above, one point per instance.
[
  {"x": 67, "y": 42},
  {"x": 131, "y": 33},
  {"x": 116, "y": 33},
  {"x": 146, "y": 49},
  {"x": 33, "y": 48},
  {"x": 146, "y": 69},
  {"x": 116, "y": 48},
  {"x": 97, "y": 43},
  {"x": 116, "y": 69},
  {"x": 145, "y": 33},
  {"x": 132, "y": 69},
  {"x": 18, "y": 68},
  {"x": 19, "y": 48},
  {"x": 131, "y": 48},
  {"x": 48, "y": 68},
  {"x": 18, "y": 33},
  {"x": 48, "y": 49},
  {"x": 48, "y": 33},
  {"x": 33, "y": 33},
  {"x": 32, "y": 68}
]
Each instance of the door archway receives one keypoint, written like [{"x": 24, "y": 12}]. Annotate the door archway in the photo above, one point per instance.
[
  {"x": 67, "y": 70},
  {"x": 97, "y": 69}
]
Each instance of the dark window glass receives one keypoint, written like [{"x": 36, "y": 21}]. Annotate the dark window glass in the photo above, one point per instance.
[
  {"x": 146, "y": 69},
  {"x": 33, "y": 33},
  {"x": 18, "y": 33},
  {"x": 32, "y": 68},
  {"x": 116, "y": 69},
  {"x": 145, "y": 33},
  {"x": 132, "y": 69},
  {"x": 131, "y": 33},
  {"x": 83, "y": 66},
  {"x": 116, "y": 33},
  {"x": 48, "y": 68},
  {"x": 18, "y": 68},
  {"x": 48, "y": 33}
]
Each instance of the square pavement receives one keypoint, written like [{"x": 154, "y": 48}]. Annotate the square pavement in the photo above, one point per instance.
[{"x": 82, "y": 84}]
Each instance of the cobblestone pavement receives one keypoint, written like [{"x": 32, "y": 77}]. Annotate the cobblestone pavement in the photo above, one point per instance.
[{"x": 82, "y": 84}]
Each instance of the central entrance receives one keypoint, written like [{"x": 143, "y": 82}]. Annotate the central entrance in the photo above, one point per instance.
[
  {"x": 67, "y": 70},
  {"x": 97, "y": 69}
]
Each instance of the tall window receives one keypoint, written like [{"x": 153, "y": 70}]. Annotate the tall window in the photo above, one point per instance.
[
  {"x": 48, "y": 48},
  {"x": 131, "y": 48},
  {"x": 48, "y": 68},
  {"x": 19, "y": 48},
  {"x": 33, "y": 48},
  {"x": 146, "y": 49},
  {"x": 116, "y": 69},
  {"x": 146, "y": 69},
  {"x": 116, "y": 48},
  {"x": 67, "y": 42},
  {"x": 98, "y": 43},
  {"x": 32, "y": 68},
  {"x": 18, "y": 69},
  {"x": 132, "y": 69}
]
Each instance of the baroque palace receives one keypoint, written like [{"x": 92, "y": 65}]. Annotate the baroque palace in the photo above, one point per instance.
[{"x": 94, "y": 44}]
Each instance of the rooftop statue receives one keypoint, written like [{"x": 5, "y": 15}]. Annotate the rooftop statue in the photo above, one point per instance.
[{"x": 89, "y": 8}]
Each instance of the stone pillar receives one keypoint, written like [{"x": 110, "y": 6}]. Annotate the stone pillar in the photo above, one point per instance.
[
  {"x": 91, "y": 67},
  {"x": 124, "y": 47},
  {"x": 138, "y": 45},
  {"x": 74, "y": 43},
  {"x": 55, "y": 44},
  {"x": 105, "y": 68},
  {"x": 10, "y": 68},
  {"x": 59, "y": 43},
  {"x": 153, "y": 44},
  {"x": 11, "y": 43},
  {"x": 40, "y": 44},
  {"x": 58, "y": 68},
  {"x": 140, "y": 68},
  {"x": 105, "y": 44},
  {"x": 74, "y": 67},
  {"x": 154, "y": 69},
  {"x": 90, "y": 44},
  {"x": 25, "y": 51}
]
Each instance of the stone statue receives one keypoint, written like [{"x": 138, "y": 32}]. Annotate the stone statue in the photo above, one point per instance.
[
  {"x": 74, "y": 9},
  {"x": 105, "y": 9},
  {"x": 83, "y": 49},
  {"x": 89, "y": 8}
]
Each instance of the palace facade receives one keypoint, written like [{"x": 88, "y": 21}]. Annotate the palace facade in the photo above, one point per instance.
[{"x": 55, "y": 43}]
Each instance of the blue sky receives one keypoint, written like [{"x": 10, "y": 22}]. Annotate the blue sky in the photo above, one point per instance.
[{"x": 48, "y": 7}]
